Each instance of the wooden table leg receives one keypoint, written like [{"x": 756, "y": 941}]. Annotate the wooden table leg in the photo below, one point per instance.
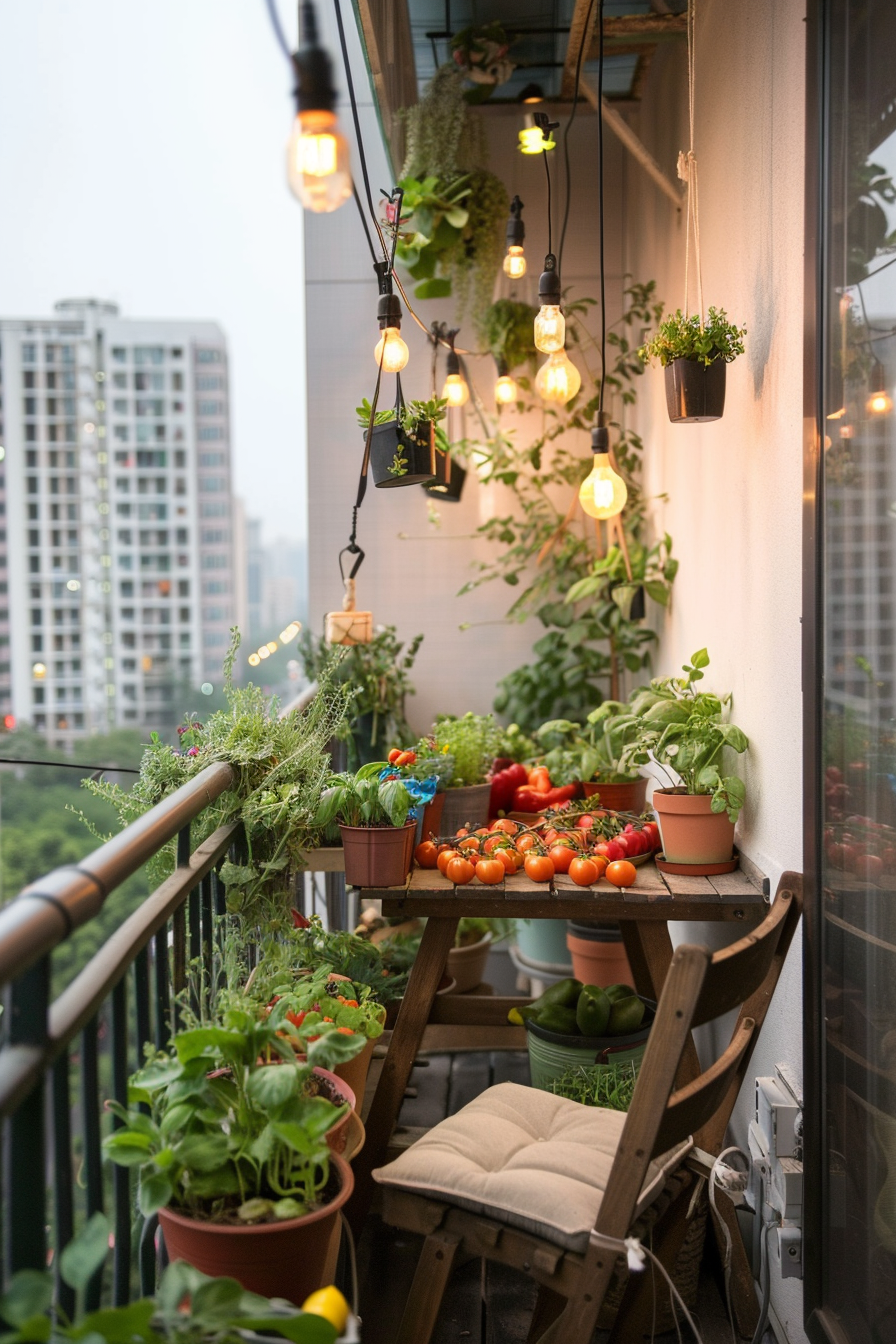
[
  {"x": 649, "y": 950},
  {"x": 428, "y": 968}
]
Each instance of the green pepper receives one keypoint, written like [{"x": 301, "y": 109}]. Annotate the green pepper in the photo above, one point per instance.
[
  {"x": 593, "y": 1011},
  {"x": 554, "y": 1017},
  {"x": 564, "y": 994}
]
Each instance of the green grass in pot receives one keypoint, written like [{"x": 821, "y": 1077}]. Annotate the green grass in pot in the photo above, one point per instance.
[{"x": 472, "y": 741}]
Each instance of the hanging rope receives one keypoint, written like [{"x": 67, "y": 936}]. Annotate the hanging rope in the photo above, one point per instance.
[{"x": 687, "y": 171}]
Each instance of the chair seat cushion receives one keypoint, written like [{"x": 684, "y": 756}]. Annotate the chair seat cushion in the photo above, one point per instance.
[{"x": 527, "y": 1158}]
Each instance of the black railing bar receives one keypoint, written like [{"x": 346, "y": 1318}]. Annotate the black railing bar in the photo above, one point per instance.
[
  {"x": 45, "y": 913},
  {"x": 73, "y": 765},
  {"x": 21, "y": 1066}
]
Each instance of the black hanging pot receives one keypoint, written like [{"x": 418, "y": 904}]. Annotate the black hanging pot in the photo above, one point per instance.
[
  {"x": 629, "y": 598},
  {"x": 695, "y": 392},
  {"x": 449, "y": 481}
]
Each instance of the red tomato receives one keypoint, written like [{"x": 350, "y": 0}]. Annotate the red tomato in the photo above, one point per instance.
[
  {"x": 509, "y": 859},
  {"x": 470, "y": 842},
  {"x": 459, "y": 871},
  {"x": 525, "y": 843},
  {"x": 624, "y": 843},
  {"x": 506, "y": 825},
  {"x": 636, "y": 844},
  {"x": 622, "y": 874},
  {"x": 464, "y": 830},
  {"x": 539, "y": 868},
  {"x": 406, "y": 758},
  {"x": 611, "y": 850},
  {"x": 652, "y": 833},
  {"x": 584, "y": 872},
  {"x": 550, "y": 836},
  {"x": 586, "y": 823},
  {"x": 561, "y": 856},
  {"x": 394, "y": 755},
  {"x": 601, "y": 862},
  {"x": 490, "y": 871},
  {"x": 445, "y": 858},
  {"x": 841, "y": 856},
  {"x": 868, "y": 866},
  {"x": 426, "y": 854}
]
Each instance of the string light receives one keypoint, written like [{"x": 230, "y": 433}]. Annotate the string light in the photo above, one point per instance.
[
  {"x": 515, "y": 234},
  {"x": 558, "y": 379},
  {"x": 506, "y": 390},
  {"x": 603, "y": 492},
  {"x": 531, "y": 139},
  {"x": 390, "y": 351},
  {"x": 550, "y": 324},
  {"x": 318, "y": 164},
  {"x": 879, "y": 401},
  {"x": 454, "y": 390}
]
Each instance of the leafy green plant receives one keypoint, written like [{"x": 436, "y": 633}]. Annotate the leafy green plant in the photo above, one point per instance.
[
  {"x": 399, "y": 465},
  {"x": 310, "y": 949},
  {"x": 593, "y": 752},
  {"x": 229, "y": 1138},
  {"x": 508, "y": 331},
  {"x": 364, "y": 799},
  {"x": 681, "y": 337},
  {"x": 611, "y": 1086},
  {"x": 188, "y": 1308},
  {"x": 280, "y": 766},
  {"x": 686, "y": 731},
  {"x": 472, "y": 740},
  {"x": 414, "y": 418},
  {"x": 473, "y": 928}
]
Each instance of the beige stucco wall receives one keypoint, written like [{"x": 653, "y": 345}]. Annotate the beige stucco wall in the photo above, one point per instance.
[{"x": 735, "y": 486}]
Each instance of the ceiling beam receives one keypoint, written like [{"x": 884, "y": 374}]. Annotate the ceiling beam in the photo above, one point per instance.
[
  {"x": 581, "y": 30},
  {"x": 621, "y": 129},
  {"x": 386, "y": 33}
]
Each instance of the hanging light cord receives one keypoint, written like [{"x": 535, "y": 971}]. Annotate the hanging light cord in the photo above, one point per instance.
[
  {"x": 357, "y": 121},
  {"x": 575, "y": 106},
  {"x": 547, "y": 173},
  {"x": 600, "y": 207},
  {"x": 278, "y": 29}
]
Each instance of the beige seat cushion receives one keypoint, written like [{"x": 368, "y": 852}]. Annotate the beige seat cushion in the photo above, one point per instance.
[{"x": 527, "y": 1158}]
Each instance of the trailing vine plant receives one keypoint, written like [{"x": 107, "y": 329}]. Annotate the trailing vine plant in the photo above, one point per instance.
[{"x": 578, "y": 587}]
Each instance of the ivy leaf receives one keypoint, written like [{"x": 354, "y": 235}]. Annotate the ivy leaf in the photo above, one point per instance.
[{"x": 84, "y": 1255}]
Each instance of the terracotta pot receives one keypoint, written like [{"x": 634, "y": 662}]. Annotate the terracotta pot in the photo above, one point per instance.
[
  {"x": 287, "y": 1259},
  {"x": 354, "y": 1074},
  {"x": 378, "y": 856},
  {"x": 631, "y": 797},
  {"x": 598, "y": 954},
  {"x": 338, "y": 1092},
  {"x": 432, "y": 816},
  {"x": 466, "y": 806},
  {"x": 467, "y": 964},
  {"x": 691, "y": 832},
  {"x": 695, "y": 392}
]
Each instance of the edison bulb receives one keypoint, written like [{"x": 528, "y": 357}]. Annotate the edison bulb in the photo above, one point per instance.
[
  {"x": 391, "y": 351},
  {"x": 550, "y": 329},
  {"x": 506, "y": 390},
  {"x": 515, "y": 263},
  {"x": 602, "y": 494},
  {"x": 879, "y": 403},
  {"x": 558, "y": 379},
  {"x": 318, "y": 164},
  {"x": 455, "y": 391}
]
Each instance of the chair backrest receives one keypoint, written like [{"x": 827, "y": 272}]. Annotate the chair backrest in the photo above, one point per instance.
[{"x": 698, "y": 988}]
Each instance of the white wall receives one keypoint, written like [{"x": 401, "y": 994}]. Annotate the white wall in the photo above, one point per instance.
[{"x": 735, "y": 486}]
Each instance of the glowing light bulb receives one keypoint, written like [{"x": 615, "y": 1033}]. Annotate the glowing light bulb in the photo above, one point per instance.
[
  {"x": 318, "y": 166},
  {"x": 506, "y": 390},
  {"x": 550, "y": 329},
  {"x": 515, "y": 263},
  {"x": 603, "y": 493},
  {"x": 879, "y": 403},
  {"x": 533, "y": 142},
  {"x": 396, "y": 354},
  {"x": 455, "y": 390},
  {"x": 558, "y": 379}
]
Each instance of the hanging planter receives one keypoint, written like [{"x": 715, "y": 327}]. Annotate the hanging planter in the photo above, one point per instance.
[
  {"x": 404, "y": 441},
  {"x": 695, "y": 392},
  {"x": 695, "y": 355},
  {"x": 449, "y": 481}
]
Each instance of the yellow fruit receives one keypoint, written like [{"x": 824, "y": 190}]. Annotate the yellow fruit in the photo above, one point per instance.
[{"x": 329, "y": 1303}]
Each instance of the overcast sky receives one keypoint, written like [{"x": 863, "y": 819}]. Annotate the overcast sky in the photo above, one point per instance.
[{"x": 142, "y": 160}]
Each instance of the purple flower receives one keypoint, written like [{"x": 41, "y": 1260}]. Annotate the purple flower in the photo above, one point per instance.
[
  {"x": 194, "y": 751},
  {"x": 197, "y": 726},
  {"x": 181, "y": 731}
]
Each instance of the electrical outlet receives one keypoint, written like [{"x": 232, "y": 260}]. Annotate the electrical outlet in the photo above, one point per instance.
[{"x": 789, "y": 1244}]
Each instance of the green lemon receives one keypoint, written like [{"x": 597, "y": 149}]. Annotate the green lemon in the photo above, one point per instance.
[
  {"x": 593, "y": 1011},
  {"x": 614, "y": 992},
  {"x": 626, "y": 1016}
]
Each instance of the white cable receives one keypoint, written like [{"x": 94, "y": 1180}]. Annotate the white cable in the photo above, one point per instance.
[
  {"x": 637, "y": 1254},
  {"x": 727, "y": 1178},
  {"x": 767, "y": 1290}
]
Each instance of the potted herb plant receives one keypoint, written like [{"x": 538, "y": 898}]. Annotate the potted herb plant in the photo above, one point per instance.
[
  {"x": 372, "y": 814},
  {"x": 233, "y": 1154},
  {"x": 590, "y": 755},
  {"x": 427, "y": 772},
  {"x": 474, "y": 940},
  {"x": 404, "y": 441},
  {"x": 695, "y": 355},
  {"x": 472, "y": 741},
  {"x": 686, "y": 732}
]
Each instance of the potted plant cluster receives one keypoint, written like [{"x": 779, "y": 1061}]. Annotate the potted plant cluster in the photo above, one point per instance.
[
  {"x": 590, "y": 755},
  {"x": 427, "y": 773},
  {"x": 472, "y": 741},
  {"x": 695, "y": 355},
  {"x": 233, "y": 1154},
  {"x": 373, "y": 818},
  {"x": 686, "y": 732},
  {"x": 404, "y": 441}
]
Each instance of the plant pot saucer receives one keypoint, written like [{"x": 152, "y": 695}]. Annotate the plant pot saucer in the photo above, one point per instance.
[{"x": 697, "y": 869}]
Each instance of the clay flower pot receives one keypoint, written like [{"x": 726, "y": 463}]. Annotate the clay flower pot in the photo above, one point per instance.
[
  {"x": 467, "y": 964},
  {"x": 691, "y": 832},
  {"x": 287, "y": 1259},
  {"x": 432, "y": 816},
  {"x": 598, "y": 953},
  {"x": 378, "y": 856},
  {"x": 352, "y": 1073},
  {"x": 630, "y": 797},
  {"x": 338, "y": 1091},
  {"x": 466, "y": 806},
  {"x": 695, "y": 392}
]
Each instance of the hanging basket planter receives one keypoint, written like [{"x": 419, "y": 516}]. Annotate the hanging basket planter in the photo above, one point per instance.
[
  {"x": 450, "y": 478},
  {"x": 403, "y": 458},
  {"x": 695, "y": 392}
]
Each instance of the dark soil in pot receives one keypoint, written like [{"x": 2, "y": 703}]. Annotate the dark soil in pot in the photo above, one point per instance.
[{"x": 695, "y": 392}]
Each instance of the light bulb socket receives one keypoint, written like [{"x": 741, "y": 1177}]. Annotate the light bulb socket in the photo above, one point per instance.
[
  {"x": 501, "y": 363},
  {"x": 388, "y": 308},
  {"x": 314, "y": 91},
  {"x": 515, "y": 233},
  {"x": 600, "y": 439},
  {"x": 878, "y": 379},
  {"x": 452, "y": 363},
  {"x": 549, "y": 291}
]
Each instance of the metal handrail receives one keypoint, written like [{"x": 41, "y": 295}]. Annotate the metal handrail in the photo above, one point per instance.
[{"x": 45, "y": 913}]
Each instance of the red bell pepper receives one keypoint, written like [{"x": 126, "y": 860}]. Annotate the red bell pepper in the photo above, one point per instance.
[
  {"x": 526, "y": 799},
  {"x": 503, "y": 785}
]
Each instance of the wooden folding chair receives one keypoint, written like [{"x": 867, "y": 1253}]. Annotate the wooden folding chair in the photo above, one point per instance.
[{"x": 439, "y": 1188}]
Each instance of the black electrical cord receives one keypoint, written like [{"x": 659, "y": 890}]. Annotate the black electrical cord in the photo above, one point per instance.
[
  {"x": 351, "y": 97},
  {"x": 278, "y": 29},
  {"x": 72, "y": 765},
  {"x": 547, "y": 173},
  {"x": 586, "y": 31},
  {"x": 600, "y": 198}
]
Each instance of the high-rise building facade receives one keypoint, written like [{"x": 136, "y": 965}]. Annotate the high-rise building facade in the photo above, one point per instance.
[{"x": 116, "y": 519}]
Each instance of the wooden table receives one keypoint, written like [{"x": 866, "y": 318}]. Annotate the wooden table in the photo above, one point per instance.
[{"x": 643, "y": 912}]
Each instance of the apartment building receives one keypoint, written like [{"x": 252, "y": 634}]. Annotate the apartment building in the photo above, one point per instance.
[{"x": 117, "y": 584}]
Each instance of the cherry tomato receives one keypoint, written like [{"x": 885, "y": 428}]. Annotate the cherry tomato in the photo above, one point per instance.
[
  {"x": 540, "y": 779},
  {"x": 506, "y": 825},
  {"x": 652, "y": 832},
  {"x": 445, "y": 858},
  {"x": 427, "y": 855},
  {"x": 494, "y": 841},
  {"x": 586, "y": 823},
  {"x": 561, "y": 856},
  {"x": 601, "y": 862},
  {"x": 550, "y": 836},
  {"x": 584, "y": 872},
  {"x": 482, "y": 830},
  {"x": 868, "y": 866},
  {"x": 406, "y": 758},
  {"x": 490, "y": 871},
  {"x": 539, "y": 868},
  {"x": 464, "y": 830},
  {"x": 611, "y": 850},
  {"x": 510, "y": 859},
  {"x": 841, "y": 856},
  {"x": 525, "y": 843},
  {"x": 623, "y": 841},
  {"x": 459, "y": 871},
  {"x": 470, "y": 842},
  {"x": 394, "y": 755},
  {"x": 622, "y": 874}
]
